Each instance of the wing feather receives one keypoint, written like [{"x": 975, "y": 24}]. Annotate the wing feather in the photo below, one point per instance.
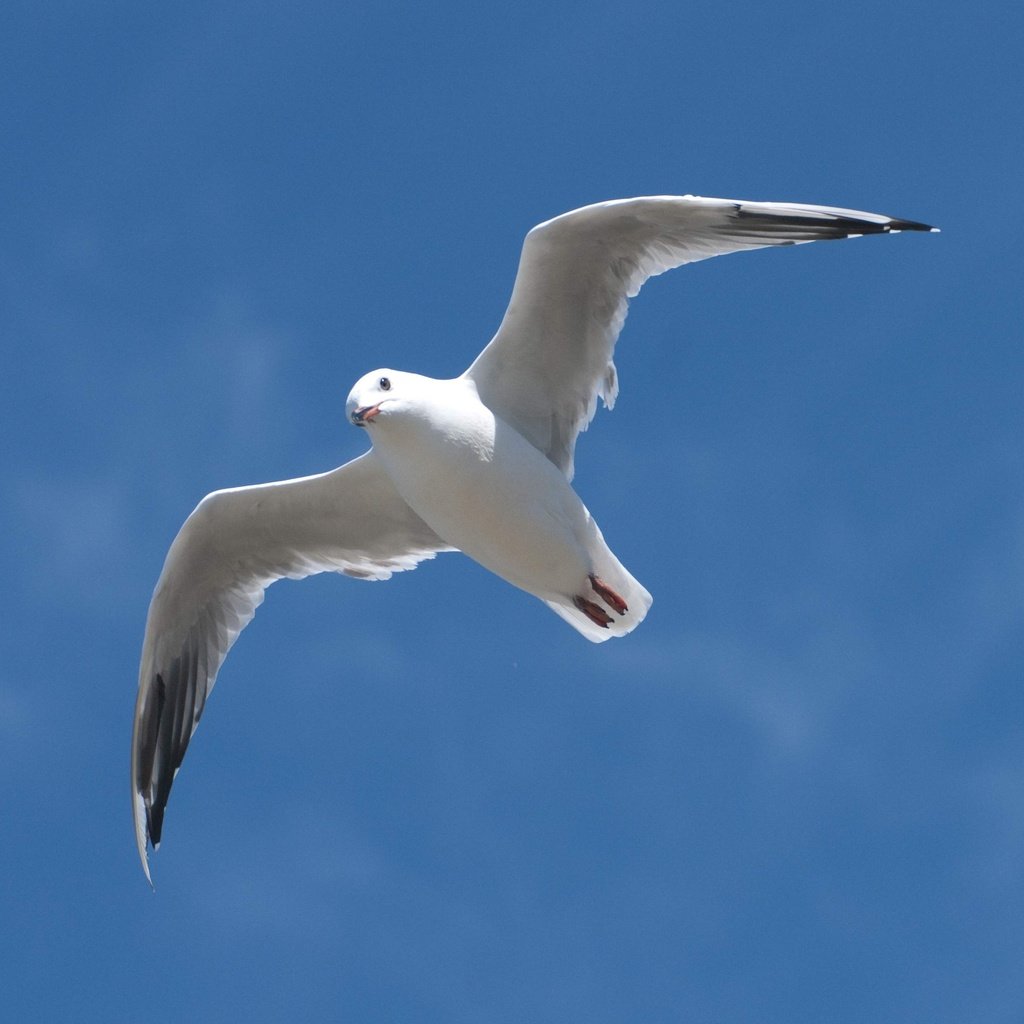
[
  {"x": 551, "y": 358},
  {"x": 234, "y": 545}
]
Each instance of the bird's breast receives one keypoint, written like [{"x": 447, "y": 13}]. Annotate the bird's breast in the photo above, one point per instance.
[{"x": 487, "y": 491}]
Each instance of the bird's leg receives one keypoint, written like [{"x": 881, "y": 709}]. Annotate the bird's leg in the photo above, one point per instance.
[
  {"x": 593, "y": 611},
  {"x": 610, "y": 598}
]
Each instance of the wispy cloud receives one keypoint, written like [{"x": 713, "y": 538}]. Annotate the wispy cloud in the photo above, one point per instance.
[
  {"x": 74, "y": 529},
  {"x": 16, "y": 714},
  {"x": 238, "y": 356}
]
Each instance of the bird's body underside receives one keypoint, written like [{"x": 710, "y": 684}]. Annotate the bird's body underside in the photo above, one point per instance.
[
  {"x": 481, "y": 463},
  {"x": 491, "y": 494}
]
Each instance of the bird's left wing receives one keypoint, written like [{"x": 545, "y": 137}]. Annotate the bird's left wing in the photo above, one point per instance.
[
  {"x": 552, "y": 356},
  {"x": 235, "y": 544}
]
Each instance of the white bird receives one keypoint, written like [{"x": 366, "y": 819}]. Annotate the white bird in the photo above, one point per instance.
[{"x": 481, "y": 463}]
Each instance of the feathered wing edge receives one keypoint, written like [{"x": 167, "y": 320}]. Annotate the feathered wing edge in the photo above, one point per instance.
[
  {"x": 551, "y": 358},
  {"x": 234, "y": 545}
]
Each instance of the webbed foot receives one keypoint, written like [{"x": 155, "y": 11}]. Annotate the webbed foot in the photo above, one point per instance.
[
  {"x": 593, "y": 611},
  {"x": 609, "y": 596}
]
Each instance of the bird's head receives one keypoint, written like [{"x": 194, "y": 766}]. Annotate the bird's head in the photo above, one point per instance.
[{"x": 372, "y": 394}]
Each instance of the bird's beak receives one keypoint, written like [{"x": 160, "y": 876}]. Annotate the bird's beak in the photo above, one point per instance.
[{"x": 364, "y": 415}]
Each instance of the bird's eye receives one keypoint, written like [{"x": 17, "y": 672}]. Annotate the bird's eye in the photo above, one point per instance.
[{"x": 385, "y": 384}]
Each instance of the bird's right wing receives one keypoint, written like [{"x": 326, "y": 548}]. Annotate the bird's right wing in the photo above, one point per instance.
[
  {"x": 551, "y": 359},
  {"x": 235, "y": 544}
]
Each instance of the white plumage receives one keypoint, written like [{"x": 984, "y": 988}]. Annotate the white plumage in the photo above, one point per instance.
[{"x": 481, "y": 463}]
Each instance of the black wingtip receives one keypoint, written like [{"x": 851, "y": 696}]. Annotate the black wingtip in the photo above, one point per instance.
[
  {"x": 908, "y": 225},
  {"x": 783, "y": 226},
  {"x": 154, "y": 824}
]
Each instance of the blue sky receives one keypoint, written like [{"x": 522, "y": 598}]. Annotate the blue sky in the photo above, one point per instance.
[{"x": 796, "y": 793}]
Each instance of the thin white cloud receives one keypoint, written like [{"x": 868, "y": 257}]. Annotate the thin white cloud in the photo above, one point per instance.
[
  {"x": 996, "y": 792},
  {"x": 16, "y": 714},
  {"x": 239, "y": 357},
  {"x": 74, "y": 529}
]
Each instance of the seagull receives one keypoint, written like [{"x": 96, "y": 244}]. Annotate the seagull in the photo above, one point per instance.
[{"x": 481, "y": 464}]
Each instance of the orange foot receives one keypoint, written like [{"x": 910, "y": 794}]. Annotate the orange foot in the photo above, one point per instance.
[
  {"x": 610, "y": 598},
  {"x": 594, "y": 612}
]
